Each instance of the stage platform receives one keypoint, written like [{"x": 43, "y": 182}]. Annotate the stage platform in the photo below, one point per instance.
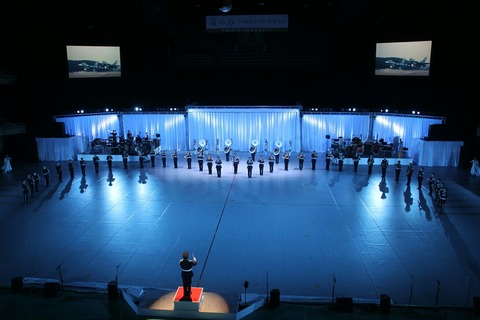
[{"x": 244, "y": 156}]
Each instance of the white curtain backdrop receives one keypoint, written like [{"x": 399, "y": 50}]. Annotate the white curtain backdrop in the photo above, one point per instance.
[
  {"x": 242, "y": 125},
  {"x": 171, "y": 127},
  {"x": 315, "y": 128},
  {"x": 57, "y": 149},
  {"x": 407, "y": 128},
  {"x": 91, "y": 126}
]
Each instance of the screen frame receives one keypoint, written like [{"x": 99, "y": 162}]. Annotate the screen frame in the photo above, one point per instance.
[
  {"x": 96, "y": 59},
  {"x": 403, "y": 58}
]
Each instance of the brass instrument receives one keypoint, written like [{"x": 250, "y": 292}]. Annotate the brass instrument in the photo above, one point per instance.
[
  {"x": 201, "y": 144},
  {"x": 253, "y": 148},
  {"x": 286, "y": 155},
  {"x": 228, "y": 144},
  {"x": 278, "y": 145},
  {"x": 301, "y": 156}
]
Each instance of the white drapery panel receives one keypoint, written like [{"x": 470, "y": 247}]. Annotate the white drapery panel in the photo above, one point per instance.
[
  {"x": 171, "y": 127},
  {"x": 407, "y": 128},
  {"x": 436, "y": 153},
  {"x": 242, "y": 125},
  {"x": 315, "y": 128},
  {"x": 56, "y": 149},
  {"x": 91, "y": 126}
]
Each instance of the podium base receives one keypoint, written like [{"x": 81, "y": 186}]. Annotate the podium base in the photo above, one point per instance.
[{"x": 191, "y": 303}]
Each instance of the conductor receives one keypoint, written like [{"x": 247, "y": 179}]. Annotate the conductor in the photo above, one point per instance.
[{"x": 187, "y": 272}]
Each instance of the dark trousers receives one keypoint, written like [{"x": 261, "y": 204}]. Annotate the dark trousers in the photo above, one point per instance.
[
  {"x": 314, "y": 162},
  {"x": 370, "y": 169},
  {"x": 96, "y": 167},
  {"x": 219, "y": 172},
  {"x": 249, "y": 170},
  {"x": 189, "y": 163},
  {"x": 286, "y": 164},
  {"x": 187, "y": 282},
  {"x": 271, "y": 166},
  {"x": 175, "y": 163},
  {"x": 340, "y": 165},
  {"x": 384, "y": 172},
  {"x": 300, "y": 164},
  {"x": 235, "y": 168},
  {"x": 164, "y": 162},
  {"x": 125, "y": 163},
  {"x": 397, "y": 175},
  {"x": 355, "y": 166},
  {"x": 200, "y": 165},
  {"x": 152, "y": 161},
  {"x": 327, "y": 163},
  {"x": 209, "y": 165},
  {"x": 260, "y": 168}
]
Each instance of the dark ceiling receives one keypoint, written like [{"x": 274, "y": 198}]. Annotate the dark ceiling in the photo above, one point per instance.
[{"x": 325, "y": 59}]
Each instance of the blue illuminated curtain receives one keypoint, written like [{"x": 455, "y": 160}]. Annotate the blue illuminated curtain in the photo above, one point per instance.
[
  {"x": 243, "y": 125},
  {"x": 171, "y": 127},
  {"x": 407, "y": 128},
  {"x": 90, "y": 126},
  {"x": 57, "y": 149},
  {"x": 315, "y": 128}
]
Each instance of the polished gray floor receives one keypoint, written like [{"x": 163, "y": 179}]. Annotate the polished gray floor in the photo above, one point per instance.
[{"x": 303, "y": 232}]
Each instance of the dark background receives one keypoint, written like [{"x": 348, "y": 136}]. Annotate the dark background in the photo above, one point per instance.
[{"x": 325, "y": 60}]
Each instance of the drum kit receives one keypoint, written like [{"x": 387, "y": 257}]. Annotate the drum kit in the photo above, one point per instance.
[{"x": 349, "y": 147}]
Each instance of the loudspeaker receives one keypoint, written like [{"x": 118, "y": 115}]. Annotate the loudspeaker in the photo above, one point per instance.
[
  {"x": 344, "y": 304},
  {"x": 476, "y": 306},
  {"x": 51, "y": 289},
  {"x": 275, "y": 298},
  {"x": 17, "y": 285},
  {"x": 113, "y": 290},
  {"x": 437, "y": 132},
  {"x": 384, "y": 304}
]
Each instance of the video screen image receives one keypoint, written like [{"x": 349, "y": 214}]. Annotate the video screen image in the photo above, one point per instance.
[
  {"x": 94, "y": 61},
  {"x": 409, "y": 58}
]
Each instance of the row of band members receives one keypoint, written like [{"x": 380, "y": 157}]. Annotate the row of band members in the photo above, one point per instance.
[{"x": 272, "y": 159}]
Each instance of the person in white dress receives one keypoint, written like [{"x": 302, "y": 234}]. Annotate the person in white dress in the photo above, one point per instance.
[
  {"x": 7, "y": 167},
  {"x": 475, "y": 170}
]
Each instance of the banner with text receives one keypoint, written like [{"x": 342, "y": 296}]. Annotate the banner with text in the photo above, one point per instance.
[{"x": 247, "y": 23}]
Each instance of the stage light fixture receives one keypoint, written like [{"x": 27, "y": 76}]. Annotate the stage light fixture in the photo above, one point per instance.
[
  {"x": 226, "y": 6},
  {"x": 138, "y": 109}
]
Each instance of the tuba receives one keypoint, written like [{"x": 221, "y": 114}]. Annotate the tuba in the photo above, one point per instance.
[
  {"x": 201, "y": 144},
  {"x": 278, "y": 145},
  {"x": 228, "y": 143},
  {"x": 253, "y": 148}
]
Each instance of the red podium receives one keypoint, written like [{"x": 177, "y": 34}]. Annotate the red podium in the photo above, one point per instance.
[{"x": 191, "y": 303}]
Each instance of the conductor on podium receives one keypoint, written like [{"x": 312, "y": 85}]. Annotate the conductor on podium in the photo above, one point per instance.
[{"x": 187, "y": 272}]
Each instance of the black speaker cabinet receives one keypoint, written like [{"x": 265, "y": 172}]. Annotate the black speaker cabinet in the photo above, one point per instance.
[
  {"x": 437, "y": 132},
  {"x": 51, "y": 289},
  {"x": 17, "y": 285},
  {"x": 113, "y": 290},
  {"x": 344, "y": 304},
  {"x": 275, "y": 298},
  {"x": 384, "y": 304},
  {"x": 476, "y": 306}
]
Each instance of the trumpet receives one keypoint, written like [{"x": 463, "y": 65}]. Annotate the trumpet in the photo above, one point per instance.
[
  {"x": 226, "y": 149},
  {"x": 286, "y": 156},
  {"x": 276, "y": 151},
  {"x": 199, "y": 149}
]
